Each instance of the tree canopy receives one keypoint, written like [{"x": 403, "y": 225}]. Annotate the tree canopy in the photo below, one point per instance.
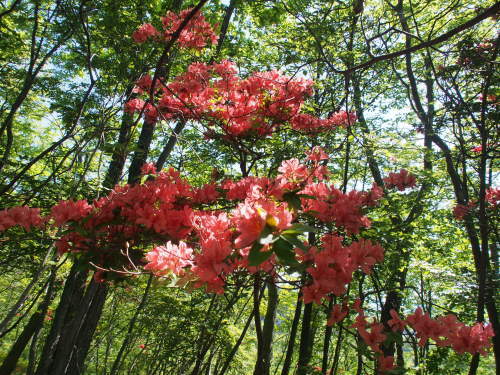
[{"x": 260, "y": 187}]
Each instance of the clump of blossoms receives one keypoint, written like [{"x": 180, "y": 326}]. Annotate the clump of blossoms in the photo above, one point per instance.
[
  {"x": 255, "y": 106},
  {"x": 232, "y": 106},
  {"x": 401, "y": 180},
  {"x": 492, "y": 199},
  {"x": 170, "y": 228},
  {"x": 197, "y": 34},
  {"x": 23, "y": 216},
  {"x": 444, "y": 331},
  {"x": 197, "y": 240}
]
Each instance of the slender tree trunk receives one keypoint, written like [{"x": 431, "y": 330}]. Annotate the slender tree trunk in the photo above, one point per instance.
[
  {"x": 70, "y": 333},
  {"x": 305, "y": 349},
  {"x": 392, "y": 301},
  {"x": 326, "y": 341},
  {"x": 263, "y": 364},
  {"x": 25, "y": 294},
  {"x": 293, "y": 333},
  {"x": 72, "y": 294},
  {"x": 169, "y": 146},
  {"x": 141, "y": 154},
  {"x": 120, "y": 153},
  {"x": 30, "y": 370},
  {"x": 208, "y": 339},
  {"x": 223, "y": 29},
  {"x": 84, "y": 337},
  {"x": 491, "y": 288},
  {"x": 336, "y": 354}
]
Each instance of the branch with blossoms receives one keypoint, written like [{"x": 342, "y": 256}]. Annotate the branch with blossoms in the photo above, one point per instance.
[
  {"x": 235, "y": 108},
  {"x": 263, "y": 217},
  {"x": 445, "y": 331}
]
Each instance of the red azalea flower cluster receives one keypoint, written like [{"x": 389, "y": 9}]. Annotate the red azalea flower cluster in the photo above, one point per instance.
[
  {"x": 311, "y": 124},
  {"x": 66, "y": 211},
  {"x": 402, "y": 180},
  {"x": 205, "y": 244},
  {"x": 460, "y": 210},
  {"x": 492, "y": 198},
  {"x": 169, "y": 258},
  {"x": 255, "y": 106},
  {"x": 478, "y": 149},
  {"x": 345, "y": 210},
  {"x": 338, "y": 313},
  {"x": 333, "y": 265},
  {"x": 385, "y": 364},
  {"x": 144, "y": 32},
  {"x": 23, "y": 216},
  {"x": 491, "y": 98},
  {"x": 445, "y": 331},
  {"x": 196, "y": 34}
]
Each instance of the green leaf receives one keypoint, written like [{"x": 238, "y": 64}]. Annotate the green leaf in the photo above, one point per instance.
[
  {"x": 299, "y": 228},
  {"x": 294, "y": 241},
  {"x": 256, "y": 257},
  {"x": 293, "y": 200},
  {"x": 284, "y": 251}
]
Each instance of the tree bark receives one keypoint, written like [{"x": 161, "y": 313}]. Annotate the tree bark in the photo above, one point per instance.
[
  {"x": 326, "y": 341},
  {"x": 234, "y": 350},
  {"x": 84, "y": 337},
  {"x": 293, "y": 333},
  {"x": 305, "y": 349},
  {"x": 72, "y": 294},
  {"x": 24, "y": 295},
  {"x": 263, "y": 364}
]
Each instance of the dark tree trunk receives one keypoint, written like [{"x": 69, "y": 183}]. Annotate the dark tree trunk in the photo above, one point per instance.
[
  {"x": 326, "y": 341},
  {"x": 169, "y": 146},
  {"x": 119, "y": 153},
  {"x": 141, "y": 154},
  {"x": 293, "y": 333},
  {"x": 86, "y": 333},
  {"x": 70, "y": 332},
  {"x": 305, "y": 349},
  {"x": 392, "y": 301},
  {"x": 72, "y": 294},
  {"x": 116, "y": 364},
  {"x": 263, "y": 364},
  {"x": 223, "y": 29},
  {"x": 25, "y": 294}
]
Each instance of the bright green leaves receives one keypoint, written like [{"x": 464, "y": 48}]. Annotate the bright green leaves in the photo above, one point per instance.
[
  {"x": 284, "y": 251},
  {"x": 256, "y": 256},
  {"x": 293, "y": 200},
  {"x": 282, "y": 245},
  {"x": 299, "y": 228}
]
